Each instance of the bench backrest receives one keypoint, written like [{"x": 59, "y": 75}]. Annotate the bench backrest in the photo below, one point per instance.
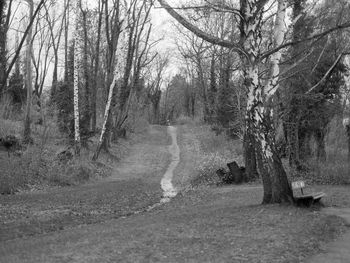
[{"x": 298, "y": 184}]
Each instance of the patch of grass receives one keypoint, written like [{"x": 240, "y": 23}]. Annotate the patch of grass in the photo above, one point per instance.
[
  {"x": 9, "y": 127},
  {"x": 39, "y": 165},
  {"x": 203, "y": 153}
]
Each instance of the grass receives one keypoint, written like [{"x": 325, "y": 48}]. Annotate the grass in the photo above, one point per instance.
[
  {"x": 219, "y": 224},
  {"x": 38, "y": 165},
  {"x": 203, "y": 153}
]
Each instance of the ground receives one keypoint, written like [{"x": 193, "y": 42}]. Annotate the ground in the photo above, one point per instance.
[{"x": 109, "y": 221}]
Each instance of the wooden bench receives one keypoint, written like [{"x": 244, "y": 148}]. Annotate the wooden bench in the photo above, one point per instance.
[{"x": 306, "y": 199}]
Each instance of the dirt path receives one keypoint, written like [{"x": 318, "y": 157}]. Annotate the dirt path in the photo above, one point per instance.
[
  {"x": 339, "y": 250},
  {"x": 169, "y": 190},
  {"x": 134, "y": 186}
]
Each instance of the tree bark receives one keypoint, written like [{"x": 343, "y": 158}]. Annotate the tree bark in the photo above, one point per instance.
[
  {"x": 77, "y": 60},
  {"x": 3, "y": 40},
  {"x": 29, "y": 85},
  {"x": 118, "y": 74},
  {"x": 97, "y": 63},
  {"x": 250, "y": 156}
]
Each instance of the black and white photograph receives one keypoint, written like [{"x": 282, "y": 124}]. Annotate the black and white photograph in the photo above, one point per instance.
[{"x": 175, "y": 131}]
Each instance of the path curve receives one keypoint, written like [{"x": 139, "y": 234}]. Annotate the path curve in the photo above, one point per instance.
[
  {"x": 169, "y": 190},
  {"x": 339, "y": 250}
]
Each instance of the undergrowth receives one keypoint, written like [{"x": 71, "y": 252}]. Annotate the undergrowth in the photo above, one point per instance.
[
  {"x": 335, "y": 170},
  {"x": 206, "y": 153},
  {"x": 38, "y": 165}
]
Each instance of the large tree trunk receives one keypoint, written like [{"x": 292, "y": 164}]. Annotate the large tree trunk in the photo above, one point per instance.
[
  {"x": 250, "y": 156},
  {"x": 29, "y": 85},
  {"x": 259, "y": 115},
  {"x": 266, "y": 179}
]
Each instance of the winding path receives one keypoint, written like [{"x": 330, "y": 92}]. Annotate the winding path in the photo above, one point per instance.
[{"x": 166, "y": 182}]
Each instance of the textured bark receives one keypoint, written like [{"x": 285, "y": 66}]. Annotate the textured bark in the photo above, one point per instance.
[
  {"x": 265, "y": 176},
  {"x": 28, "y": 81},
  {"x": 3, "y": 40},
  {"x": 77, "y": 61},
  {"x": 259, "y": 110},
  {"x": 118, "y": 74},
  {"x": 292, "y": 132},
  {"x": 96, "y": 67},
  {"x": 250, "y": 157}
]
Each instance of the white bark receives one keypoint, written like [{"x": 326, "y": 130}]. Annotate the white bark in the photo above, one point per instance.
[
  {"x": 278, "y": 38},
  {"x": 121, "y": 54},
  {"x": 76, "y": 78}
]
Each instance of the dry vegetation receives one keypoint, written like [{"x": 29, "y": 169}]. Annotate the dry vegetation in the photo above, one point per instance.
[
  {"x": 335, "y": 169},
  {"x": 203, "y": 153},
  {"x": 39, "y": 165}
]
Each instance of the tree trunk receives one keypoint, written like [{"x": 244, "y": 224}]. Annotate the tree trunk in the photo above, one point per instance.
[
  {"x": 266, "y": 179},
  {"x": 119, "y": 70},
  {"x": 293, "y": 150},
  {"x": 3, "y": 39},
  {"x": 66, "y": 33},
  {"x": 321, "y": 145},
  {"x": 54, "y": 78},
  {"x": 261, "y": 125},
  {"x": 29, "y": 85},
  {"x": 250, "y": 155},
  {"x": 97, "y": 63},
  {"x": 77, "y": 61}
]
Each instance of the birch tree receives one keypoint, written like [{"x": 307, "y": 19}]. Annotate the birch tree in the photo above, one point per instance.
[
  {"x": 121, "y": 54},
  {"x": 77, "y": 61}
]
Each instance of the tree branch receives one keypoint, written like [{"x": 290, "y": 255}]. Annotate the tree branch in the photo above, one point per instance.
[
  {"x": 197, "y": 31},
  {"x": 291, "y": 43},
  {"x": 325, "y": 75}
]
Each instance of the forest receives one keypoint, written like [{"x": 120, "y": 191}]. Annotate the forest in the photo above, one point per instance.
[{"x": 77, "y": 78}]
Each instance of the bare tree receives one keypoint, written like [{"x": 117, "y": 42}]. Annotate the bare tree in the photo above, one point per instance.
[
  {"x": 121, "y": 53},
  {"x": 77, "y": 61},
  {"x": 28, "y": 79},
  {"x": 19, "y": 48}
]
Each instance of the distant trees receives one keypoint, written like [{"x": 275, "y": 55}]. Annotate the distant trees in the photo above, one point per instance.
[{"x": 311, "y": 94}]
